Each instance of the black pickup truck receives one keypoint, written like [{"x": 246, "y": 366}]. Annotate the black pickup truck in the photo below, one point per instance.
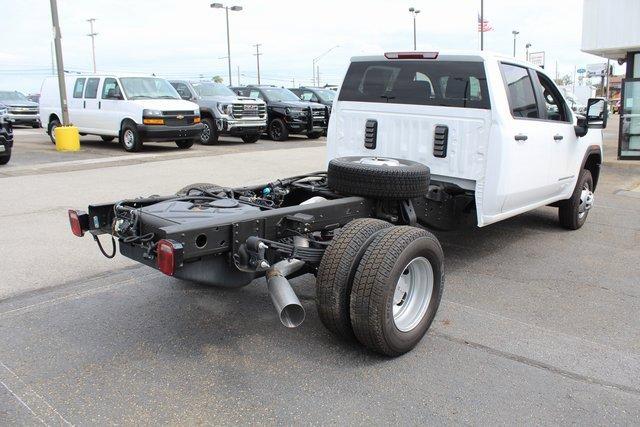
[
  {"x": 6, "y": 138},
  {"x": 379, "y": 277},
  {"x": 287, "y": 114}
]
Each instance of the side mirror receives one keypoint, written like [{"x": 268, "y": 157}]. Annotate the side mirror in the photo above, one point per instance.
[
  {"x": 581, "y": 128},
  {"x": 597, "y": 113}
]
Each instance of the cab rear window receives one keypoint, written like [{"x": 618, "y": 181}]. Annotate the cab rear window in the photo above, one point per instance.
[{"x": 440, "y": 83}]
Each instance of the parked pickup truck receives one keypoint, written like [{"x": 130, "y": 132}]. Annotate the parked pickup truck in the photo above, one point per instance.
[
  {"x": 288, "y": 114},
  {"x": 223, "y": 112},
  {"x": 417, "y": 140},
  {"x": 6, "y": 136},
  {"x": 20, "y": 110}
]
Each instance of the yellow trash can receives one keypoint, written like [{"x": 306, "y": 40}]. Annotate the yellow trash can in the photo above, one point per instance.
[{"x": 67, "y": 138}]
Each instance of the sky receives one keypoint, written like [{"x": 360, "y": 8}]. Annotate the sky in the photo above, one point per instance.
[{"x": 187, "y": 38}]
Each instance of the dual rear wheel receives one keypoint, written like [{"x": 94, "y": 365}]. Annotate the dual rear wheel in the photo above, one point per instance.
[{"x": 381, "y": 285}]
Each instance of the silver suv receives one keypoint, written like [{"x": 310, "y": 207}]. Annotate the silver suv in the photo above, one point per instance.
[{"x": 223, "y": 112}]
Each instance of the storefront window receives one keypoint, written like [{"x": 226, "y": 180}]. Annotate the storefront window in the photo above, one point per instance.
[
  {"x": 630, "y": 122},
  {"x": 636, "y": 66}
]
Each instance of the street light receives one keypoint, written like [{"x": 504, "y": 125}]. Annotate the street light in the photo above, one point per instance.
[
  {"x": 515, "y": 33},
  {"x": 93, "y": 35},
  {"x": 414, "y": 12},
  {"x": 315, "y": 61},
  {"x": 227, "y": 8},
  {"x": 527, "y": 46}
]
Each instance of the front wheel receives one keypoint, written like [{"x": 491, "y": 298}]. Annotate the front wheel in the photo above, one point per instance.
[
  {"x": 278, "y": 130},
  {"x": 129, "y": 138},
  {"x": 397, "y": 289},
  {"x": 573, "y": 212},
  {"x": 184, "y": 144},
  {"x": 53, "y": 124},
  {"x": 209, "y": 135},
  {"x": 250, "y": 139}
]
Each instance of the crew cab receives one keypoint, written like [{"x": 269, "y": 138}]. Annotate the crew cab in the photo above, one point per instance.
[
  {"x": 286, "y": 113},
  {"x": 223, "y": 112},
  {"x": 134, "y": 109},
  {"x": 417, "y": 140}
]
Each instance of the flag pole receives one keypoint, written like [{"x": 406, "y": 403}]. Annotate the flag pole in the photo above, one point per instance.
[{"x": 481, "y": 24}]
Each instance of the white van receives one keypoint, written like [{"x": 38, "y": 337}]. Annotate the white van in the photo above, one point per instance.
[{"x": 135, "y": 109}]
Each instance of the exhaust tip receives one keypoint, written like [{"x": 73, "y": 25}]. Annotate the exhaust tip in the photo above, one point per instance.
[{"x": 292, "y": 315}]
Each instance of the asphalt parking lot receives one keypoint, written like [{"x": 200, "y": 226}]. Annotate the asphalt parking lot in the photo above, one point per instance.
[{"x": 538, "y": 325}]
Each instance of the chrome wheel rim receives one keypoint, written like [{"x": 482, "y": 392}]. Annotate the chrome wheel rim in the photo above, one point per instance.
[
  {"x": 206, "y": 133},
  {"x": 129, "y": 138},
  {"x": 586, "y": 201},
  {"x": 380, "y": 161},
  {"x": 412, "y": 294},
  {"x": 53, "y": 132}
]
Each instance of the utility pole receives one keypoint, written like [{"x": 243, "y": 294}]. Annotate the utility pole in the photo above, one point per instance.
[
  {"x": 527, "y": 46},
  {"x": 608, "y": 77},
  {"x": 257, "y": 55},
  {"x": 93, "y": 35},
  {"x": 318, "y": 75},
  {"x": 53, "y": 59},
  {"x": 481, "y": 24},
  {"x": 58, "y": 47},
  {"x": 238, "y": 68}
]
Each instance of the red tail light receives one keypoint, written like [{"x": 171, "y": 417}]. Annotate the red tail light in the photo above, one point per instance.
[
  {"x": 75, "y": 221},
  {"x": 411, "y": 55},
  {"x": 169, "y": 256}
]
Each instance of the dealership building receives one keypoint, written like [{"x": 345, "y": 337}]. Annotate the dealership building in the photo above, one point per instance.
[{"x": 610, "y": 29}]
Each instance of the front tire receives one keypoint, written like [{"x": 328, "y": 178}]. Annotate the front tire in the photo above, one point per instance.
[
  {"x": 573, "y": 212},
  {"x": 250, "y": 139},
  {"x": 209, "y": 135},
  {"x": 129, "y": 138},
  {"x": 5, "y": 159},
  {"x": 278, "y": 130},
  {"x": 397, "y": 290},
  {"x": 185, "y": 144}
]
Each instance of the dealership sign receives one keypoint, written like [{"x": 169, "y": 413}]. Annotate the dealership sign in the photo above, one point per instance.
[
  {"x": 537, "y": 58},
  {"x": 596, "y": 70}
]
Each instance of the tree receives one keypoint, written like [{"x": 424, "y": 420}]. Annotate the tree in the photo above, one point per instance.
[
  {"x": 217, "y": 79},
  {"x": 565, "y": 80}
]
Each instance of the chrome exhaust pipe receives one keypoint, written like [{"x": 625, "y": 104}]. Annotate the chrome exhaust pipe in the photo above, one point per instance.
[{"x": 290, "y": 311}]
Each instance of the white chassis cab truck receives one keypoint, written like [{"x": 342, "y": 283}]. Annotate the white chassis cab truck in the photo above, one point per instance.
[
  {"x": 416, "y": 140},
  {"x": 496, "y": 133}
]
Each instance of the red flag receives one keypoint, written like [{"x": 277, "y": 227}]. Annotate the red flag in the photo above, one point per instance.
[{"x": 483, "y": 25}]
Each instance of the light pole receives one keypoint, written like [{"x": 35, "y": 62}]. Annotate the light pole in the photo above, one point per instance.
[
  {"x": 227, "y": 8},
  {"x": 93, "y": 35},
  {"x": 515, "y": 33},
  {"x": 527, "y": 46},
  {"x": 58, "y": 45},
  {"x": 414, "y": 12},
  {"x": 316, "y": 79}
]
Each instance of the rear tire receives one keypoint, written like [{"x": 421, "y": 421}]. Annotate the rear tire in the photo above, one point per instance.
[
  {"x": 573, "y": 212},
  {"x": 278, "y": 130},
  {"x": 129, "y": 138},
  {"x": 209, "y": 135},
  {"x": 336, "y": 271},
  {"x": 107, "y": 138},
  {"x": 185, "y": 144},
  {"x": 53, "y": 124},
  {"x": 397, "y": 290},
  {"x": 250, "y": 139}
]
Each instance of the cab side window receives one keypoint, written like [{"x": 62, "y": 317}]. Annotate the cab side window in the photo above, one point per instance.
[
  {"x": 555, "y": 107},
  {"x": 255, "y": 94},
  {"x": 91, "y": 91},
  {"x": 522, "y": 99},
  {"x": 308, "y": 96},
  {"x": 78, "y": 89},
  {"x": 110, "y": 89}
]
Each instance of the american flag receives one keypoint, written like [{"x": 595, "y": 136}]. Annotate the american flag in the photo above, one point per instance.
[{"x": 483, "y": 25}]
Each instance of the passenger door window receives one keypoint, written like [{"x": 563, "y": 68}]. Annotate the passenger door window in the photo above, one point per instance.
[
  {"x": 556, "y": 108},
  {"x": 111, "y": 90},
  {"x": 78, "y": 89},
  {"x": 309, "y": 96},
  {"x": 255, "y": 94},
  {"x": 522, "y": 99},
  {"x": 91, "y": 90}
]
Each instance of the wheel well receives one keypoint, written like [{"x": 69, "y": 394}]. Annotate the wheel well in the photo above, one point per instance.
[
  {"x": 125, "y": 121},
  {"x": 592, "y": 164},
  {"x": 208, "y": 114},
  {"x": 52, "y": 117}
]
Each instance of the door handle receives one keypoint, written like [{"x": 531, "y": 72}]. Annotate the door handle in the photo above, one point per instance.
[
  {"x": 521, "y": 137},
  {"x": 84, "y": 104},
  {"x": 99, "y": 105},
  {"x": 558, "y": 137}
]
